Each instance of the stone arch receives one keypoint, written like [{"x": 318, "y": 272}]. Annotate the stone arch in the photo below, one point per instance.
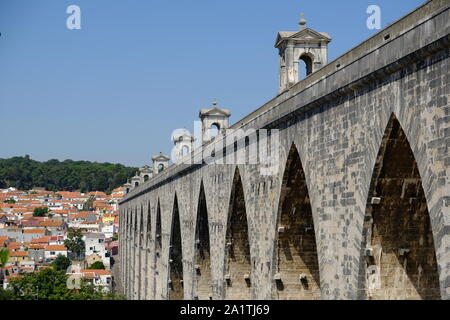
[
  {"x": 185, "y": 150},
  {"x": 135, "y": 253},
  {"x": 133, "y": 250},
  {"x": 139, "y": 255},
  {"x": 399, "y": 259},
  {"x": 237, "y": 246},
  {"x": 146, "y": 251},
  {"x": 149, "y": 224},
  {"x": 157, "y": 285},
  {"x": 308, "y": 60},
  {"x": 176, "y": 288},
  {"x": 202, "y": 266},
  {"x": 214, "y": 129},
  {"x": 124, "y": 258},
  {"x": 296, "y": 259},
  {"x": 146, "y": 177}
]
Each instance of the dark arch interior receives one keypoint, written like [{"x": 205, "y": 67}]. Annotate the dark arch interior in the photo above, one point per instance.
[
  {"x": 305, "y": 66},
  {"x": 176, "y": 258},
  {"x": 202, "y": 250},
  {"x": 134, "y": 250},
  {"x": 140, "y": 244},
  {"x": 399, "y": 260},
  {"x": 237, "y": 255},
  {"x": 149, "y": 225},
  {"x": 158, "y": 251},
  {"x": 146, "y": 177},
  {"x": 147, "y": 240},
  {"x": 297, "y": 267}
]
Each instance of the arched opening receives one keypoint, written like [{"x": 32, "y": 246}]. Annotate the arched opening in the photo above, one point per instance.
[
  {"x": 158, "y": 250},
  {"x": 135, "y": 256},
  {"x": 176, "y": 291},
  {"x": 305, "y": 65},
  {"x": 139, "y": 255},
  {"x": 128, "y": 190},
  {"x": 202, "y": 250},
  {"x": 214, "y": 130},
  {"x": 136, "y": 184},
  {"x": 146, "y": 178},
  {"x": 282, "y": 71},
  {"x": 297, "y": 267},
  {"x": 237, "y": 247},
  {"x": 147, "y": 247},
  {"x": 160, "y": 167},
  {"x": 185, "y": 151},
  {"x": 399, "y": 256}
]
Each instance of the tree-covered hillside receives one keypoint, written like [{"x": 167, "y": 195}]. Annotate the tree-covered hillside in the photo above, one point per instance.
[{"x": 24, "y": 173}]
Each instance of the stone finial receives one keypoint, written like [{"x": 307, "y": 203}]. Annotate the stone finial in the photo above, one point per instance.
[
  {"x": 214, "y": 103},
  {"x": 302, "y": 21}
]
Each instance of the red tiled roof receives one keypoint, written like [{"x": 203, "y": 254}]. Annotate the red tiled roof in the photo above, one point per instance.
[
  {"x": 18, "y": 253},
  {"x": 56, "y": 247},
  {"x": 90, "y": 273},
  {"x": 43, "y": 239},
  {"x": 32, "y": 231}
]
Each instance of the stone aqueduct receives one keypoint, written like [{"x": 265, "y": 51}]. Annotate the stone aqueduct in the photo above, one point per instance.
[{"x": 360, "y": 206}]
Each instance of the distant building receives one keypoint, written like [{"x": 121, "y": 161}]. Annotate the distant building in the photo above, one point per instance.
[
  {"x": 95, "y": 244},
  {"x": 52, "y": 251}
]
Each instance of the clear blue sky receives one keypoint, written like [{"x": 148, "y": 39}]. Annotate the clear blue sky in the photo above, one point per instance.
[{"x": 138, "y": 69}]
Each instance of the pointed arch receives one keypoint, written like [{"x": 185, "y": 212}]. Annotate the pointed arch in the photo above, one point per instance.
[
  {"x": 202, "y": 266},
  {"x": 399, "y": 259},
  {"x": 135, "y": 257},
  {"x": 176, "y": 290},
  {"x": 157, "y": 285},
  {"x": 149, "y": 224},
  {"x": 296, "y": 273},
  {"x": 237, "y": 246},
  {"x": 139, "y": 253},
  {"x": 148, "y": 252}
]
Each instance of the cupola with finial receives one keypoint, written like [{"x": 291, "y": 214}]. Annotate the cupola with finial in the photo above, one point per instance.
[
  {"x": 305, "y": 45},
  {"x": 214, "y": 120}
]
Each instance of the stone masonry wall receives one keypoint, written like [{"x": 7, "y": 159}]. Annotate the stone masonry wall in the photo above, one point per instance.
[{"x": 337, "y": 124}]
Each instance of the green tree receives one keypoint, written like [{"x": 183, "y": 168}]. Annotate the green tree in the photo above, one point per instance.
[
  {"x": 50, "y": 284},
  {"x": 4, "y": 257},
  {"x": 40, "y": 212},
  {"x": 89, "y": 204},
  {"x": 61, "y": 263},
  {"x": 25, "y": 173},
  {"x": 97, "y": 265},
  {"x": 10, "y": 201},
  {"x": 5, "y": 294},
  {"x": 74, "y": 242}
]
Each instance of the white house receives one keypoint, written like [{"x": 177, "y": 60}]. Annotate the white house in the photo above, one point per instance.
[
  {"x": 52, "y": 251},
  {"x": 108, "y": 230},
  {"x": 99, "y": 278},
  {"x": 95, "y": 244}
]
